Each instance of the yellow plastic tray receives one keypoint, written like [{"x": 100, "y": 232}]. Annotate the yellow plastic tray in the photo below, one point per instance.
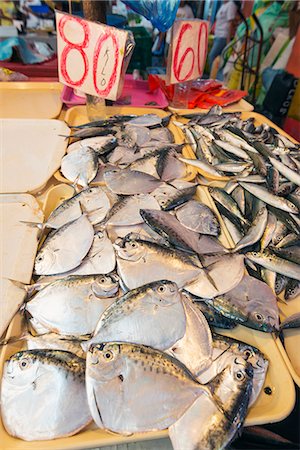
[
  {"x": 267, "y": 408},
  {"x": 30, "y": 100},
  {"x": 78, "y": 116}
]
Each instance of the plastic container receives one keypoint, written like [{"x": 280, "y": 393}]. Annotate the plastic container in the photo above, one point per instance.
[
  {"x": 78, "y": 116},
  {"x": 31, "y": 151},
  {"x": 241, "y": 105},
  {"x": 142, "y": 56},
  {"x": 25, "y": 99},
  {"x": 135, "y": 93}
]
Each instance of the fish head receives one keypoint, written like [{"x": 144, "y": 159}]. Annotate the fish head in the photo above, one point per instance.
[
  {"x": 44, "y": 261},
  {"x": 104, "y": 361},
  {"x": 21, "y": 369},
  {"x": 263, "y": 318},
  {"x": 105, "y": 285},
  {"x": 130, "y": 249},
  {"x": 253, "y": 355},
  {"x": 166, "y": 292}
]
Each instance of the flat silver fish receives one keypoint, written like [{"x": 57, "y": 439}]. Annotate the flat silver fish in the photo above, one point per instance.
[
  {"x": 128, "y": 182},
  {"x": 80, "y": 166},
  {"x": 198, "y": 217},
  {"x": 126, "y": 212}
]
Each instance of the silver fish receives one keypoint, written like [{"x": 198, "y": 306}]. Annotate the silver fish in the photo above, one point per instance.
[
  {"x": 93, "y": 201},
  {"x": 61, "y": 306},
  {"x": 100, "y": 144},
  {"x": 268, "y": 232},
  {"x": 198, "y": 217},
  {"x": 272, "y": 262},
  {"x": 227, "y": 202},
  {"x": 162, "y": 135},
  {"x": 271, "y": 199},
  {"x": 53, "y": 341},
  {"x": 65, "y": 248},
  {"x": 286, "y": 171},
  {"x": 292, "y": 289},
  {"x": 238, "y": 194},
  {"x": 251, "y": 303},
  {"x": 166, "y": 387},
  {"x": 237, "y": 151},
  {"x": 80, "y": 166},
  {"x": 291, "y": 322},
  {"x": 280, "y": 283},
  {"x": 128, "y": 182},
  {"x": 203, "y": 426},
  {"x": 35, "y": 385},
  {"x": 127, "y": 211},
  {"x": 169, "y": 167},
  {"x": 142, "y": 316},
  {"x": 255, "y": 231},
  {"x": 140, "y": 262},
  {"x": 194, "y": 349},
  {"x": 146, "y": 120}
]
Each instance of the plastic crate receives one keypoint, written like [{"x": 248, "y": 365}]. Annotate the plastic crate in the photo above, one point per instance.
[{"x": 142, "y": 56}]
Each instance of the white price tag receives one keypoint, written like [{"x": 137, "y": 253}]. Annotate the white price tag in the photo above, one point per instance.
[
  {"x": 90, "y": 55},
  {"x": 188, "y": 49}
]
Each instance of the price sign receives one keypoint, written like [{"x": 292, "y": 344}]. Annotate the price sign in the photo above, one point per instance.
[
  {"x": 90, "y": 55},
  {"x": 187, "y": 52}
]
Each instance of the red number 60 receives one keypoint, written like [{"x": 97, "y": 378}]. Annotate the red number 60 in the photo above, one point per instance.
[{"x": 178, "y": 65}]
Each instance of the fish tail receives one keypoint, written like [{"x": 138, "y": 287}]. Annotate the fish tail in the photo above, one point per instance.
[
  {"x": 14, "y": 339},
  {"x": 33, "y": 224}
]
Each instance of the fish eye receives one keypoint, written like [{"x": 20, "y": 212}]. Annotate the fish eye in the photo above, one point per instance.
[
  {"x": 247, "y": 353},
  {"x": 102, "y": 280},
  {"x": 24, "y": 363},
  {"x": 163, "y": 202},
  {"x": 108, "y": 355},
  {"x": 161, "y": 288},
  {"x": 258, "y": 317},
  {"x": 40, "y": 258},
  {"x": 239, "y": 375},
  {"x": 133, "y": 244}
]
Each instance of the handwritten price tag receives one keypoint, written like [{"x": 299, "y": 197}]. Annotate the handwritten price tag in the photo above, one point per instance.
[
  {"x": 90, "y": 55},
  {"x": 187, "y": 53}
]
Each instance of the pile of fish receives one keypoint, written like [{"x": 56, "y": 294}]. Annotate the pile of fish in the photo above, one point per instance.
[
  {"x": 128, "y": 279},
  {"x": 260, "y": 196}
]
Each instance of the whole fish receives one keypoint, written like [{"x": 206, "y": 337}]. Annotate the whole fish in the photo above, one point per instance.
[
  {"x": 169, "y": 167},
  {"x": 291, "y": 322},
  {"x": 227, "y": 202},
  {"x": 255, "y": 231},
  {"x": 128, "y": 182},
  {"x": 194, "y": 349},
  {"x": 62, "y": 305},
  {"x": 140, "y": 262},
  {"x": 288, "y": 173},
  {"x": 231, "y": 167},
  {"x": 142, "y": 316},
  {"x": 100, "y": 144},
  {"x": 166, "y": 387},
  {"x": 80, "y": 166},
  {"x": 292, "y": 289},
  {"x": 90, "y": 132},
  {"x": 34, "y": 388},
  {"x": 232, "y": 149},
  {"x": 251, "y": 303},
  {"x": 203, "y": 426},
  {"x": 288, "y": 240},
  {"x": 232, "y": 265},
  {"x": 205, "y": 169},
  {"x": 170, "y": 228},
  {"x": 65, "y": 248},
  {"x": 198, "y": 217},
  {"x": 271, "y": 199},
  {"x": 249, "y": 353},
  {"x": 273, "y": 262},
  {"x": 127, "y": 210},
  {"x": 148, "y": 120},
  {"x": 93, "y": 201}
]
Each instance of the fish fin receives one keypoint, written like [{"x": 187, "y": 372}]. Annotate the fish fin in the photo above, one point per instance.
[
  {"x": 28, "y": 288},
  {"x": 14, "y": 339},
  {"x": 39, "y": 225},
  {"x": 209, "y": 389}
]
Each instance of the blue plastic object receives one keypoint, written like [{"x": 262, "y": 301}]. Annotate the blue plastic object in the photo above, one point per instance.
[
  {"x": 116, "y": 20},
  {"x": 161, "y": 13}
]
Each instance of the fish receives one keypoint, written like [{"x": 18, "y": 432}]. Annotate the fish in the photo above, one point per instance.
[
  {"x": 73, "y": 305},
  {"x": 171, "y": 229},
  {"x": 140, "y": 262},
  {"x": 212, "y": 316},
  {"x": 269, "y": 198},
  {"x": 34, "y": 388},
  {"x": 227, "y": 202},
  {"x": 280, "y": 283},
  {"x": 169, "y": 167},
  {"x": 127, "y": 210},
  {"x": 162, "y": 135},
  {"x": 205, "y": 169},
  {"x": 92, "y": 200},
  {"x": 170, "y": 199},
  {"x": 166, "y": 386},
  {"x": 286, "y": 189},
  {"x": 142, "y": 316},
  {"x": 128, "y": 182},
  {"x": 231, "y": 264},
  {"x": 149, "y": 121},
  {"x": 194, "y": 349},
  {"x": 268, "y": 231},
  {"x": 251, "y": 303},
  {"x": 288, "y": 240},
  {"x": 272, "y": 179},
  {"x": 291, "y": 322},
  {"x": 138, "y": 135},
  {"x": 292, "y": 289},
  {"x": 90, "y": 132},
  {"x": 53, "y": 341},
  {"x": 196, "y": 216},
  {"x": 288, "y": 173},
  {"x": 291, "y": 253},
  {"x": 249, "y": 353},
  {"x": 273, "y": 262},
  {"x": 203, "y": 426},
  {"x": 286, "y": 222},
  {"x": 255, "y": 231},
  {"x": 100, "y": 144},
  {"x": 65, "y": 248},
  {"x": 80, "y": 166},
  {"x": 232, "y": 149},
  {"x": 238, "y": 194}
]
